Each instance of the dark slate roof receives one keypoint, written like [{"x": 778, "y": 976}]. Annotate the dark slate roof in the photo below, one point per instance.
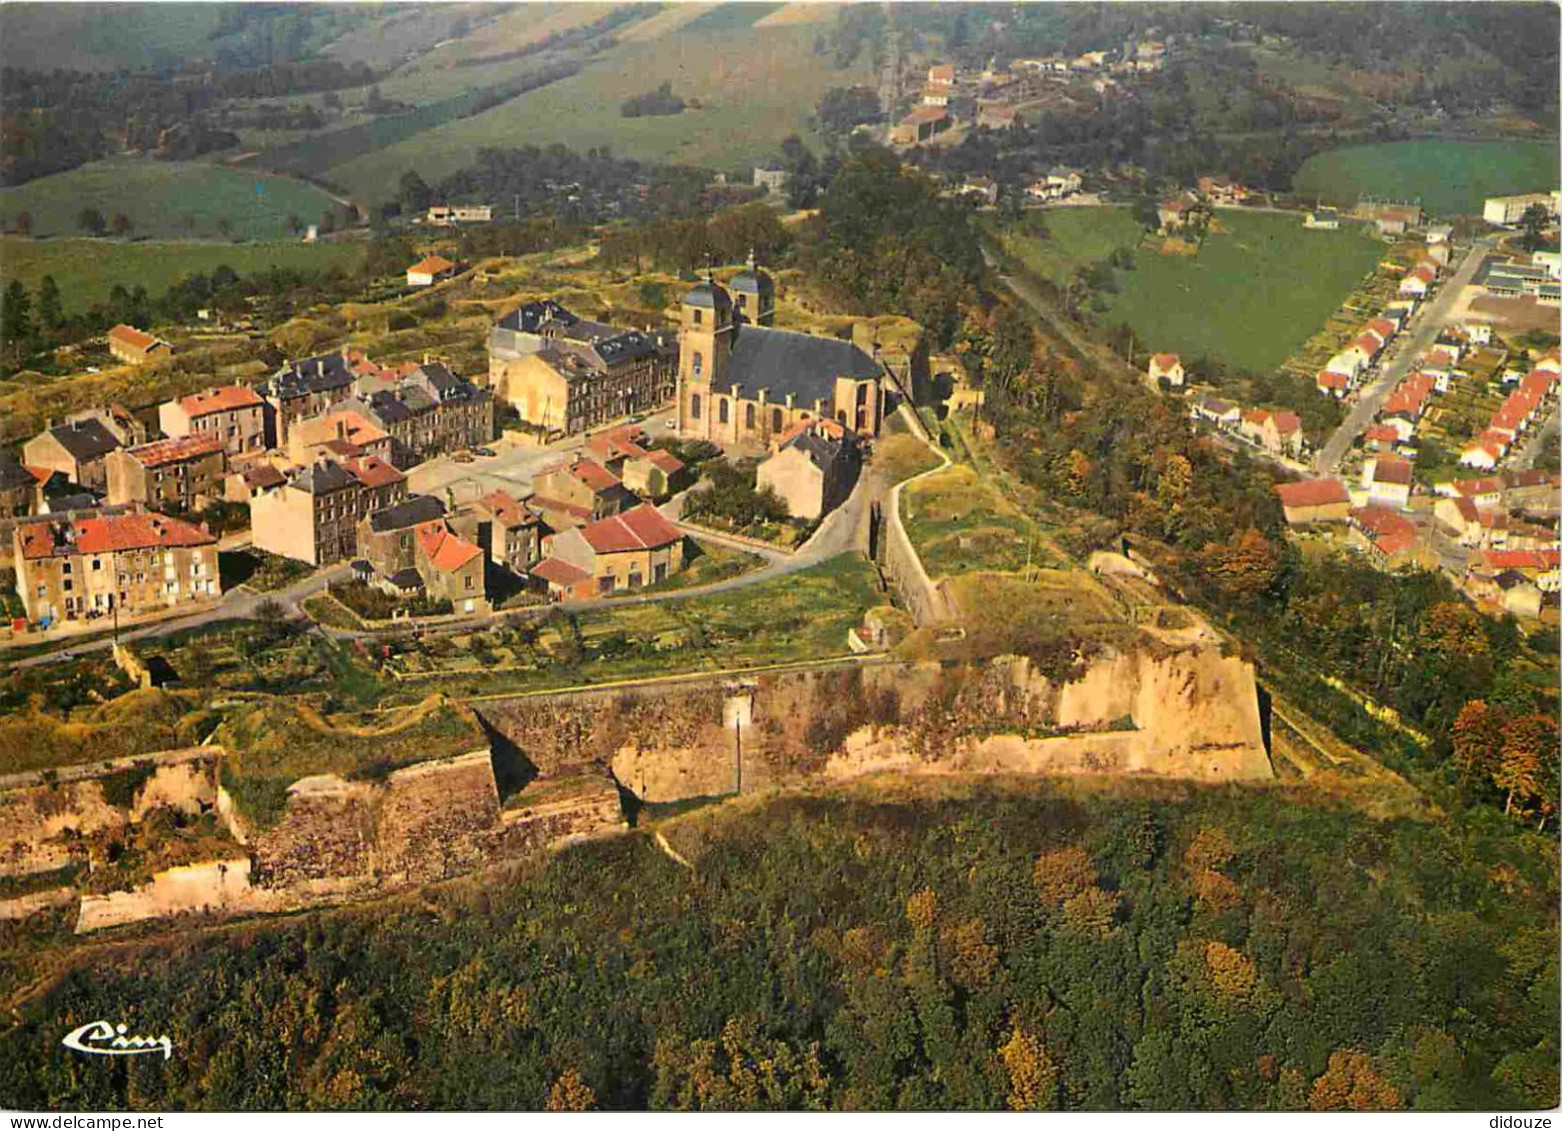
[
  {"x": 530, "y": 318},
  {"x": 409, "y": 512},
  {"x": 446, "y": 386},
  {"x": 752, "y": 282},
  {"x": 324, "y": 477},
  {"x": 708, "y": 294},
  {"x": 85, "y": 440},
  {"x": 783, "y": 362},
  {"x": 311, "y": 375},
  {"x": 406, "y": 579},
  {"x": 822, "y": 451}
]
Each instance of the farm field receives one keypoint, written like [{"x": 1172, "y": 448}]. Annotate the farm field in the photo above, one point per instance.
[
  {"x": 1450, "y": 177},
  {"x": 167, "y": 199},
  {"x": 86, "y": 270},
  {"x": 1261, "y": 285},
  {"x": 755, "y": 86}
]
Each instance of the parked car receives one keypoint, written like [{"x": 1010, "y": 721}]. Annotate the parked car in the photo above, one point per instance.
[{"x": 487, "y": 453}]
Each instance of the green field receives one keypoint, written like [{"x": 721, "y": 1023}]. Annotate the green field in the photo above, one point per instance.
[
  {"x": 1255, "y": 292},
  {"x": 755, "y": 86},
  {"x": 86, "y": 270},
  {"x": 167, "y": 199},
  {"x": 1450, "y": 177},
  {"x": 88, "y": 37}
]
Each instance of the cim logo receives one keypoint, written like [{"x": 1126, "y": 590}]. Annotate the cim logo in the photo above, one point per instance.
[{"x": 99, "y": 1038}]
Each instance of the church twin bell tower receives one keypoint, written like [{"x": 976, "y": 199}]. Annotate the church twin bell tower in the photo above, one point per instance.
[{"x": 706, "y": 335}]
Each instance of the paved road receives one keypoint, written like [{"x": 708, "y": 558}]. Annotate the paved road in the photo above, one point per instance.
[
  {"x": 1402, "y": 355},
  {"x": 1529, "y": 450}
]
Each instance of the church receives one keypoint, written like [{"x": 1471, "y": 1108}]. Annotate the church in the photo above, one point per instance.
[{"x": 742, "y": 382}]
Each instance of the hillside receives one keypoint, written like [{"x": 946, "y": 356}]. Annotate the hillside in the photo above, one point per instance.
[{"x": 1028, "y": 945}]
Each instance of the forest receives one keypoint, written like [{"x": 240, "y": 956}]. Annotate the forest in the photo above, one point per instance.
[{"x": 1033, "y": 947}]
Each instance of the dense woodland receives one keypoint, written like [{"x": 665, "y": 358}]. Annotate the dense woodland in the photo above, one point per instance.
[{"x": 1158, "y": 948}]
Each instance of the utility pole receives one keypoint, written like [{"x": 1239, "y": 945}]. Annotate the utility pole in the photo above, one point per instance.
[{"x": 737, "y": 733}]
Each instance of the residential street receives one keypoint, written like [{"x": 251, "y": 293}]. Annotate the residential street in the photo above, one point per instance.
[{"x": 1401, "y": 357}]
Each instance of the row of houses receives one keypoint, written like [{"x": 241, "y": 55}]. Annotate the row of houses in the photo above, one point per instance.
[
  {"x": 1525, "y": 406},
  {"x": 1349, "y": 368}
]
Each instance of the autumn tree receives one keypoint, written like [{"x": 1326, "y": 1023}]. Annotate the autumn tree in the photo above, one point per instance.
[
  {"x": 1352, "y": 1082},
  {"x": 1246, "y": 565},
  {"x": 570, "y": 1093},
  {"x": 1033, "y": 1077},
  {"x": 1477, "y": 741},
  {"x": 1525, "y": 767},
  {"x": 922, "y": 909},
  {"x": 1063, "y": 874},
  {"x": 972, "y": 957}
]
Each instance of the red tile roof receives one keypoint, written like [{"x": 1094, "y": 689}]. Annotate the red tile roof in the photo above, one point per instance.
[
  {"x": 559, "y": 572},
  {"x": 139, "y": 339},
  {"x": 432, "y": 265},
  {"x": 1393, "y": 470},
  {"x": 507, "y": 510},
  {"x": 225, "y": 399},
  {"x": 1328, "y": 379},
  {"x": 1483, "y": 486},
  {"x": 445, "y": 549},
  {"x": 1383, "y": 433},
  {"x": 110, "y": 533},
  {"x": 1520, "y": 559},
  {"x": 159, "y": 453},
  {"x": 1390, "y": 531},
  {"x": 594, "y": 475},
  {"x": 1287, "y": 423},
  {"x": 372, "y": 471},
  {"x": 1312, "y": 493},
  {"x": 640, "y": 528},
  {"x": 1382, "y": 327},
  {"x": 1165, "y": 361}
]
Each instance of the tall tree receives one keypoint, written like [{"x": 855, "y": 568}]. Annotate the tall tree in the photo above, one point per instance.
[{"x": 51, "y": 311}]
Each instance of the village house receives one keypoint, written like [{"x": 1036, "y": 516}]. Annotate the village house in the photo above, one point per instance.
[
  {"x": 314, "y": 516},
  {"x": 1505, "y": 211},
  {"x": 651, "y": 473},
  {"x": 1313, "y": 501},
  {"x": 183, "y": 474},
  {"x": 941, "y": 75},
  {"x": 1056, "y": 185},
  {"x": 813, "y": 469},
  {"x": 1471, "y": 526},
  {"x": 1485, "y": 451},
  {"x": 1322, "y": 219},
  {"x": 773, "y": 178},
  {"x": 1383, "y": 437},
  {"x": 242, "y": 484},
  {"x": 1387, "y": 538},
  {"x": 1172, "y": 214},
  {"x": 508, "y": 530},
  {"x": 936, "y": 96},
  {"x": 922, "y": 124},
  {"x": 428, "y": 412},
  {"x": 625, "y": 551},
  {"x": 1387, "y": 480},
  {"x": 742, "y": 385},
  {"x": 576, "y": 492},
  {"x": 234, "y": 414},
  {"x": 342, "y": 433},
  {"x": 78, "y": 450},
  {"x": 409, "y": 548},
  {"x": 135, "y": 563},
  {"x": 1278, "y": 432},
  {"x": 564, "y": 373},
  {"x": 995, "y": 116},
  {"x": 1332, "y": 384},
  {"x": 1218, "y": 191},
  {"x": 17, "y": 486},
  {"x": 1418, "y": 281},
  {"x": 1213, "y": 410},
  {"x": 1167, "y": 366},
  {"x": 446, "y": 214},
  {"x": 307, "y": 388},
  {"x": 136, "y": 347},
  {"x": 984, "y": 189},
  {"x": 430, "y": 270},
  {"x": 123, "y": 425}
]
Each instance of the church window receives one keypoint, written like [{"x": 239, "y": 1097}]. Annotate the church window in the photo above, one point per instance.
[
  {"x": 862, "y": 394},
  {"x": 699, "y": 317},
  {"x": 699, "y": 363},
  {"x": 775, "y": 420},
  {"x": 694, "y": 407},
  {"x": 841, "y": 416},
  {"x": 748, "y": 416},
  {"x": 723, "y": 410}
]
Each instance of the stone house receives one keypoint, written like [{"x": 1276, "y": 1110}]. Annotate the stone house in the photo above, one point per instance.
[
  {"x": 136, "y": 347},
  {"x": 1169, "y": 366},
  {"x": 77, "y": 449},
  {"x": 314, "y": 516},
  {"x": 1313, "y": 501},
  {"x": 234, "y": 414},
  {"x": 626, "y": 551},
  {"x": 813, "y": 469},
  {"x": 132, "y": 562},
  {"x": 183, "y": 474}
]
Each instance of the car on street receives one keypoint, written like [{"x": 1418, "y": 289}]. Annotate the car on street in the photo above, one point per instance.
[{"x": 486, "y": 453}]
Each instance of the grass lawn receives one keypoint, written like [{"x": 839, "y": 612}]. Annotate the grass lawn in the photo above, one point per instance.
[
  {"x": 755, "y": 86},
  {"x": 960, "y": 522},
  {"x": 1450, "y": 177},
  {"x": 86, "y": 270},
  {"x": 1261, "y": 285},
  {"x": 167, "y": 199}
]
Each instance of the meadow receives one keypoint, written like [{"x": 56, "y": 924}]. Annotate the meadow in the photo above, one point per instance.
[
  {"x": 754, "y": 86},
  {"x": 167, "y": 199},
  {"x": 1256, "y": 290},
  {"x": 1450, "y": 177},
  {"x": 87, "y": 270}
]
